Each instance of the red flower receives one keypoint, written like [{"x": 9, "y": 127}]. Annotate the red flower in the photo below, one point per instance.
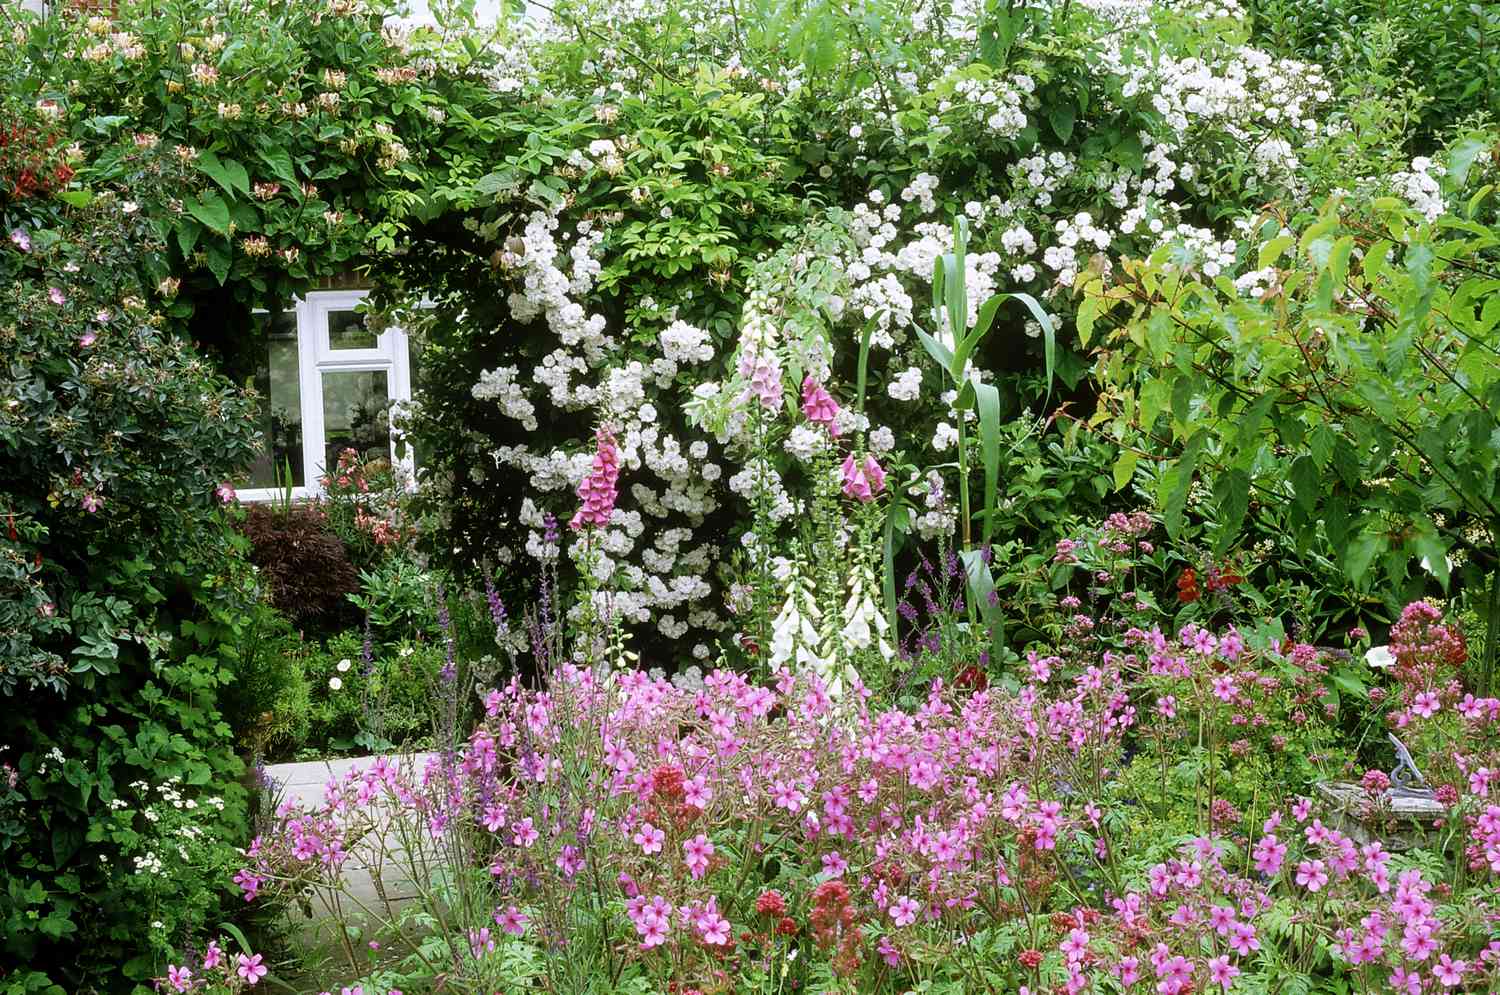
[
  {"x": 1187, "y": 586},
  {"x": 771, "y": 904}
]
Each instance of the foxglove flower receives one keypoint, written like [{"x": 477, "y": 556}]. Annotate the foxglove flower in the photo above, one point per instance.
[
  {"x": 819, "y": 406},
  {"x": 597, "y": 491}
]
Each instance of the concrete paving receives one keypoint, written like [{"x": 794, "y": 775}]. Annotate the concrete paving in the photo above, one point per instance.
[{"x": 381, "y": 887}]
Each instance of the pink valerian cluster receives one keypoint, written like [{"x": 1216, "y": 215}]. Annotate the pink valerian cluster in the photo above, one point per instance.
[
  {"x": 863, "y": 480},
  {"x": 819, "y": 407},
  {"x": 597, "y": 490}
]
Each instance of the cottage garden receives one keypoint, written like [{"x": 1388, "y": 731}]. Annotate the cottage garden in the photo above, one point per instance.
[{"x": 891, "y": 497}]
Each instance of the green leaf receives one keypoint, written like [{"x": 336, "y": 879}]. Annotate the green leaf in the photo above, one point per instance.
[
  {"x": 1124, "y": 469},
  {"x": 279, "y": 162},
  {"x": 1177, "y": 481},
  {"x": 987, "y": 405},
  {"x": 1460, "y": 160},
  {"x": 218, "y": 260},
  {"x": 937, "y": 351},
  {"x": 213, "y": 212},
  {"x": 1062, "y": 118},
  {"x": 1361, "y": 553},
  {"x": 228, "y": 174},
  {"x": 1232, "y": 490},
  {"x": 1304, "y": 478},
  {"x": 187, "y": 236}
]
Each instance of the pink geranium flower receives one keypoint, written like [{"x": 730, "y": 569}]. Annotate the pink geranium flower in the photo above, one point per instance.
[{"x": 251, "y": 969}]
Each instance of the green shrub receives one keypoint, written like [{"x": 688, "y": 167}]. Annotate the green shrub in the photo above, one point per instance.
[
  {"x": 120, "y": 590},
  {"x": 268, "y": 705}
]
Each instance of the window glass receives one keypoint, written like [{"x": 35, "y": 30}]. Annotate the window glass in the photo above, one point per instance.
[
  {"x": 276, "y": 378},
  {"x": 346, "y": 330},
  {"x": 356, "y": 414}
]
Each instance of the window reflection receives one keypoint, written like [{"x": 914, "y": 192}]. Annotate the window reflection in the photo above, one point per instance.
[{"x": 356, "y": 414}]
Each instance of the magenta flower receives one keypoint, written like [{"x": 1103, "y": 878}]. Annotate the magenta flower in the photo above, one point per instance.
[
  {"x": 213, "y": 955},
  {"x": 649, "y": 838},
  {"x": 22, "y": 240},
  {"x": 251, "y": 969},
  {"x": 1426, "y": 704},
  {"x": 91, "y": 502},
  {"x": 56, "y": 295},
  {"x": 179, "y": 977},
  {"x": 525, "y": 834},
  {"x": 87, "y": 339},
  {"x": 511, "y": 920},
  {"x": 597, "y": 491},
  {"x": 1312, "y": 875},
  {"x": 1268, "y": 854},
  {"x": 696, "y": 853},
  {"x": 863, "y": 481},
  {"x": 819, "y": 407},
  {"x": 1221, "y": 972},
  {"x": 225, "y": 492},
  {"x": 904, "y": 911}
]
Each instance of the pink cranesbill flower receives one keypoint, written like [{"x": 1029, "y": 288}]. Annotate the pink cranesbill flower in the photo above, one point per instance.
[
  {"x": 1221, "y": 972},
  {"x": 696, "y": 853},
  {"x": 179, "y": 977},
  {"x": 819, "y": 407},
  {"x": 649, "y": 838},
  {"x": 56, "y": 296},
  {"x": 251, "y": 969},
  {"x": 1426, "y": 704},
  {"x": 904, "y": 911},
  {"x": 213, "y": 956},
  {"x": 597, "y": 491},
  {"x": 225, "y": 492},
  {"x": 511, "y": 920},
  {"x": 21, "y": 239},
  {"x": 1312, "y": 875}
]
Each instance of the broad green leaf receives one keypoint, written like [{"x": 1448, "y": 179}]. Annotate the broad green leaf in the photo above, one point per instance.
[
  {"x": 228, "y": 173},
  {"x": 1124, "y": 469},
  {"x": 987, "y": 406},
  {"x": 212, "y": 211},
  {"x": 1232, "y": 491},
  {"x": 279, "y": 161},
  {"x": 937, "y": 351},
  {"x": 1360, "y": 553}
]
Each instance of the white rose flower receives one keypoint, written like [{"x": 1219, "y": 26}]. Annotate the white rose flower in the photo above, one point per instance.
[
  {"x": 335, "y": 683},
  {"x": 344, "y": 665}
]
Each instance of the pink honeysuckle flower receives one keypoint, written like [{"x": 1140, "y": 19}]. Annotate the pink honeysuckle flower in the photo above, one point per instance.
[{"x": 819, "y": 407}]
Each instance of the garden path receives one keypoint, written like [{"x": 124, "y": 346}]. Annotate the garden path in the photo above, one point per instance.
[{"x": 304, "y": 783}]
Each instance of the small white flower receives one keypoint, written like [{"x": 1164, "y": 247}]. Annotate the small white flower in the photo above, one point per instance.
[
  {"x": 335, "y": 683},
  {"x": 343, "y": 666},
  {"x": 1380, "y": 657}
]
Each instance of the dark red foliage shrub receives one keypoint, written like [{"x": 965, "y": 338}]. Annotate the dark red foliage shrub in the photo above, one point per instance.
[{"x": 303, "y": 564}]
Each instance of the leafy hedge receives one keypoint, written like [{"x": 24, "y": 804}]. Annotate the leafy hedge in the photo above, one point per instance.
[{"x": 120, "y": 585}]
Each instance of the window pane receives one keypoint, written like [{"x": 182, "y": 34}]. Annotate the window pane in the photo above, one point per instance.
[
  {"x": 275, "y": 376},
  {"x": 346, "y": 330},
  {"x": 356, "y": 415}
]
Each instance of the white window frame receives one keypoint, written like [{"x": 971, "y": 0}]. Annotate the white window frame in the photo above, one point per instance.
[{"x": 315, "y": 357}]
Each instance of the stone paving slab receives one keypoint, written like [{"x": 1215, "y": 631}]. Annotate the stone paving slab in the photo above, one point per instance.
[{"x": 304, "y": 783}]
